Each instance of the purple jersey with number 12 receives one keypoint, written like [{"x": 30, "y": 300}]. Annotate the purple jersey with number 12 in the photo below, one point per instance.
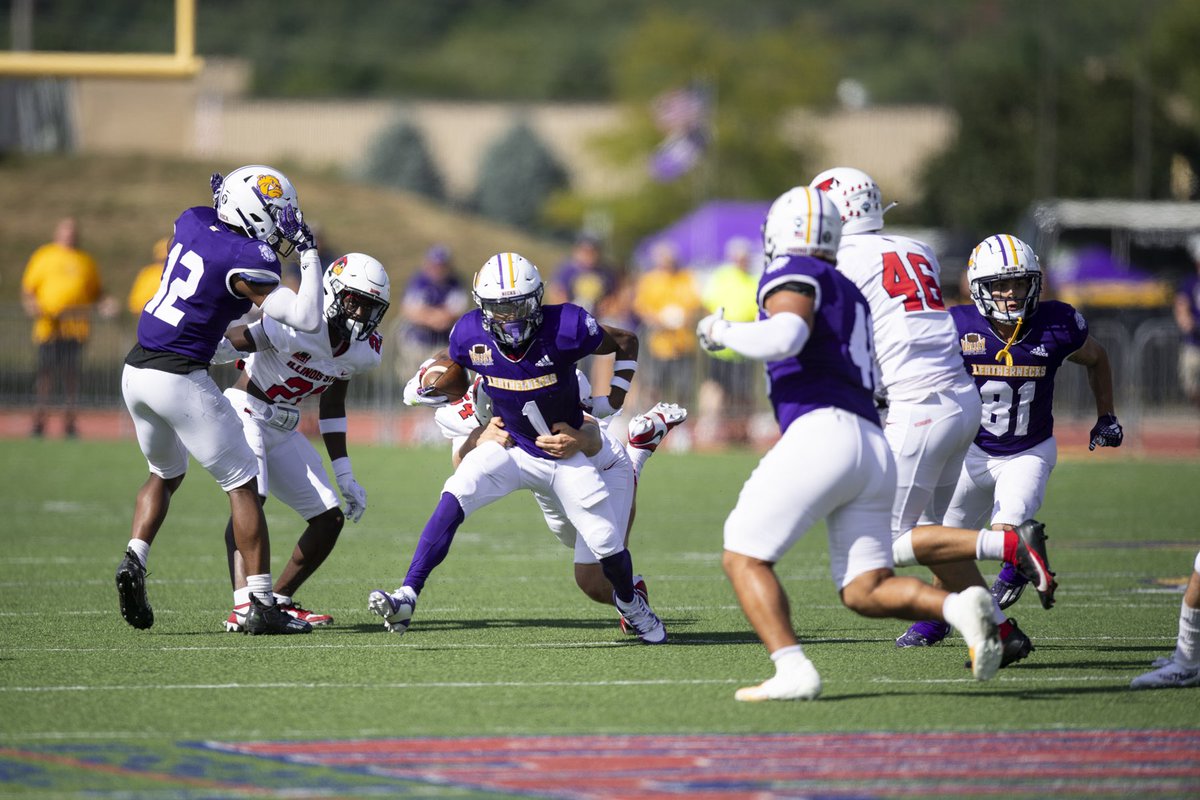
[
  {"x": 537, "y": 387},
  {"x": 835, "y": 368},
  {"x": 195, "y": 303},
  {"x": 1018, "y": 400}
]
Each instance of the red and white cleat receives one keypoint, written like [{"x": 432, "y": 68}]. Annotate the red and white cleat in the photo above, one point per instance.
[
  {"x": 646, "y": 431},
  {"x": 311, "y": 617}
]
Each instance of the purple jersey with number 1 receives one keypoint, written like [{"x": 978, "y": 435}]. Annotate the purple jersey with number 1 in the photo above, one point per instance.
[
  {"x": 195, "y": 303},
  {"x": 835, "y": 366},
  {"x": 539, "y": 385},
  {"x": 1018, "y": 400}
]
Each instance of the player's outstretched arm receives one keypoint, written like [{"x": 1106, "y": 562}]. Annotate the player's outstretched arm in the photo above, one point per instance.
[{"x": 783, "y": 333}]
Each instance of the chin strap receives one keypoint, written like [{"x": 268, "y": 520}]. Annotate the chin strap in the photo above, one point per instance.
[{"x": 1004, "y": 355}]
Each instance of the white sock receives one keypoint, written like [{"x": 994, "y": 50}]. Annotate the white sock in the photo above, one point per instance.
[
  {"x": 639, "y": 456},
  {"x": 140, "y": 549},
  {"x": 950, "y": 597},
  {"x": 787, "y": 658},
  {"x": 990, "y": 545},
  {"x": 998, "y": 616},
  {"x": 241, "y": 596},
  {"x": 1187, "y": 648},
  {"x": 283, "y": 599},
  {"x": 260, "y": 587}
]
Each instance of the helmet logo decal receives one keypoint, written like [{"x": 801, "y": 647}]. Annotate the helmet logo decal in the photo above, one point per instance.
[
  {"x": 826, "y": 184},
  {"x": 269, "y": 186},
  {"x": 337, "y": 266}
]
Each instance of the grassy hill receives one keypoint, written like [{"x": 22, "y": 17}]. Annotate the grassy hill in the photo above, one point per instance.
[{"x": 125, "y": 203}]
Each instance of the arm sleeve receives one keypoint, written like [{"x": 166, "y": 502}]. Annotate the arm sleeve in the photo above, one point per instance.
[
  {"x": 302, "y": 309},
  {"x": 771, "y": 339}
]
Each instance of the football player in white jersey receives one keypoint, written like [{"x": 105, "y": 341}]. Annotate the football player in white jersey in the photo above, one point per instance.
[
  {"x": 933, "y": 406},
  {"x": 469, "y": 422},
  {"x": 282, "y": 366},
  {"x": 1182, "y": 667}
]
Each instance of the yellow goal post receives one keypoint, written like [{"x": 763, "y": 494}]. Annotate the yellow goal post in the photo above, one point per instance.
[{"x": 183, "y": 63}]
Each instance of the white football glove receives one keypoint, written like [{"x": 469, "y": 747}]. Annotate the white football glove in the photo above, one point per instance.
[
  {"x": 354, "y": 494},
  {"x": 416, "y": 395},
  {"x": 601, "y": 408},
  {"x": 226, "y": 353},
  {"x": 711, "y": 331}
]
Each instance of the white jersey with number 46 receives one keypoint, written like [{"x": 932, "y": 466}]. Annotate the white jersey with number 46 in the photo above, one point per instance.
[{"x": 916, "y": 343}]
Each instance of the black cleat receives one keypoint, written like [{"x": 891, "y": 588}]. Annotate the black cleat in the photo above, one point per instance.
[
  {"x": 271, "y": 620},
  {"x": 131, "y": 590},
  {"x": 1015, "y": 643},
  {"x": 1032, "y": 561}
]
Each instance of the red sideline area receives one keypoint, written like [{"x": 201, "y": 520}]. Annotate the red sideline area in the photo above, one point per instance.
[{"x": 1165, "y": 438}]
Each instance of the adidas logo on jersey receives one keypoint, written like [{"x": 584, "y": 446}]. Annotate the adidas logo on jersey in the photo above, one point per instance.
[
  {"x": 544, "y": 361},
  {"x": 1040, "y": 350}
]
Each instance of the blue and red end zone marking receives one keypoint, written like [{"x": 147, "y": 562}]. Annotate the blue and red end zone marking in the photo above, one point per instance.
[{"x": 713, "y": 767}]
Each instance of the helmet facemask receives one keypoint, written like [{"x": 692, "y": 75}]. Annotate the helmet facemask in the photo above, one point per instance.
[
  {"x": 512, "y": 321},
  {"x": 354, "y": 314},
  {"x": 998, "y": 309},
  {"x": 1004, "y": 257}
]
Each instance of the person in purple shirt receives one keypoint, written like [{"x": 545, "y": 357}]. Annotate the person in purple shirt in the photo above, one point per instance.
[
  {"x": 526, "y": 353},
  {"x": 221, "y": 261},
  {"x": 1013, "y": 344},
  {"x": 831, "y": 462},
  {"x": 1187, "y": 317},
  {"x": 433, "y": 300}
]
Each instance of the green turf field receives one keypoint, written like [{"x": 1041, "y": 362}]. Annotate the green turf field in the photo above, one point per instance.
[{"x": 504, "y": 644}]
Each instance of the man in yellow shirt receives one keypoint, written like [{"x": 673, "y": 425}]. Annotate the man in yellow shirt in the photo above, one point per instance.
[
  {"x": 667, "y": 301},
  {"x": 146, "y": 283},
  {"x": 60, "y": 286},
  {"x": 735, "y": 380}
]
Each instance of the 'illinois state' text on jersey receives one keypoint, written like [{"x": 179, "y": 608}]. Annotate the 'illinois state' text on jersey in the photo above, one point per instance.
[
  {"x": 195, "y": 303},
  {"x": 538, "y": 388},
  {"x": 301, "y": 364},
  {"x": 835, "y": 368},
  {"x": 1018, "y": 400}
]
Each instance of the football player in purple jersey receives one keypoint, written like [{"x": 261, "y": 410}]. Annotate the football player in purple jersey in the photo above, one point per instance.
[
  {"x": 526, "y": 353},
  {"x": 1013, "y": 344},
  {"x": 814, "y": 333},
  {"x": 221, "y": 261}
]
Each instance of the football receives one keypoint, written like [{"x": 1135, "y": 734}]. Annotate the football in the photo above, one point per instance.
[{"x": 446, "y": 378}]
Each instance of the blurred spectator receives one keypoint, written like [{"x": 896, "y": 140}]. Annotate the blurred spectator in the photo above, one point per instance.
[
  {"x": 1187, "y": 317},
  {"x": 727, "y": 396},
  {"x": 433, "y": 301},
  {"x": 583, "y": 279},
  {"x": 59, "y": 289},
  {"x": 148, "y": 278},
  {"x": 668, "y": 302}
]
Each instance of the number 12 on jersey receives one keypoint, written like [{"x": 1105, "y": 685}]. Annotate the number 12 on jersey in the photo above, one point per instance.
[{"x": 914, "y": 281}]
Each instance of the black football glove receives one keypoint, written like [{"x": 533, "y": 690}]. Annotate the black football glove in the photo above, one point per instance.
[{"x": 1107, "y": 432}]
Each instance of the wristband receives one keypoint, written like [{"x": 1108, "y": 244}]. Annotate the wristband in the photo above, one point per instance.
[
  {"x": 341, "y": 466},
  {"x": 630, "y": 365},
  {"x": 332, "y": 425},
  {"x": 620, "y": 383}
]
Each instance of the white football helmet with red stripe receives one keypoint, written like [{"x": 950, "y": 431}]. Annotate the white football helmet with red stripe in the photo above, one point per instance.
[
  {"x": 508, "y": 289},
  {"x": 999, "y": 258},
  {"x": 802, "y": 222},
  {"x": 857, "y": 197}
]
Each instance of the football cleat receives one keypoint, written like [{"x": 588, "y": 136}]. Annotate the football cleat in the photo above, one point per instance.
[
  {"x": 1031, "y": 561},
  {"x": 1015, "y": 644},
  {"x": 923, "y": 634},
  {"x": 271, "y": 620},
  {"x": 1172, "y": 675},
  {"x": 1008, "y": 586},
  {"x": 294, "y": 609},
  {"x": 639, "y": 586},
  {"x": 1161, "y": 661},
  {"x": 237, "y": 618},
  {"x": 970, "y": 611},
  {"x": 642, "y": 619},
  {"x": 646, "y": 431},
  {"x": 801, "y": 684},
  {"x": 395, "y": 608},
  {"x": 131, "y": 591}
]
